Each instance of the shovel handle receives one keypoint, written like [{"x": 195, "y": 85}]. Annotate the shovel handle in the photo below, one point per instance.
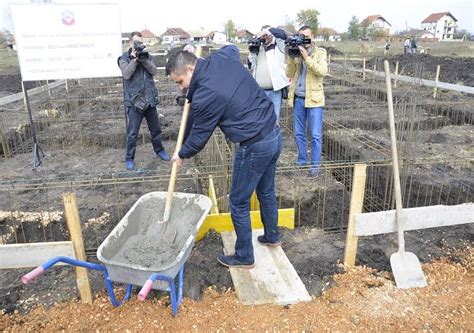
[
  {"x": 396, "y": 173},
  {"x": 179, "y": 142}
]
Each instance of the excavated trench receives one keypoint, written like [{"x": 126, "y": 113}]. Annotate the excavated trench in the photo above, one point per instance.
[{"x": 355, "y": 130}]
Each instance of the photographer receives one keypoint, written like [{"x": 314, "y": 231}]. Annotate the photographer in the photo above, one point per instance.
[
  {"x": 267, "y": 63},
  {"x": 307, "y": 98},
  {"x": 140, "y": 98}
]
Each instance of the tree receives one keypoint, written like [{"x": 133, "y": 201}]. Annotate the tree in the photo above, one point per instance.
[
  {"x": 354, "y": 31},
  {"x": 462, "y": 34},
  {"x": 375, "y": 32},
  {"x": 230, "y": 29},
  {"x": 308, "y": 17}
]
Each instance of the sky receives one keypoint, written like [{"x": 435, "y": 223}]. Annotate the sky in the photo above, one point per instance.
[{"x": 157, "y": 15}]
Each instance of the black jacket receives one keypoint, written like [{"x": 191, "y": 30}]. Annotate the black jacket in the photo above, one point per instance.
[
  {"x": 223, "y": 93},
  {"x": 141, "y": 82}
]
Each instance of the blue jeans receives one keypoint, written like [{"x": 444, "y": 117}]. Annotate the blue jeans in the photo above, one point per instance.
[
  {"x": 314, "y": 117},
  {"x": 275, "y": 97},
  {"x": 254, "y": 169},
  {"x": 133, "y": 127}
]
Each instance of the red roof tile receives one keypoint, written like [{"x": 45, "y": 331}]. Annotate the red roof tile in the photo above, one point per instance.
[{"x": 435, "y": 17}]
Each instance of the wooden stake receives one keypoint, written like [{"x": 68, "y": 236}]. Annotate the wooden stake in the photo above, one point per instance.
[
  {"x": 6, "y": 150},
  {"x": 357, "y": 201},
  {"x": 363, "y": 69},
  {"x": 396, "y": 73},
  {"x": 435, "y": 90},
  {"x": 74, "y": 225},
  {"x": 375, "y": 69}
]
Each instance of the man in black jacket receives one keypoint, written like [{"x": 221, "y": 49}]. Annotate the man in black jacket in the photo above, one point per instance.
[
  {"x": 140, "y": 98},
  {"x": 223, "y": 93}
]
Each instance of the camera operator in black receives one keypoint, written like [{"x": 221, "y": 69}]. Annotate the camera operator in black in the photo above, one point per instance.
[
  {"x": 140, "y": 97},
  {"x": 267, "y": 63}
]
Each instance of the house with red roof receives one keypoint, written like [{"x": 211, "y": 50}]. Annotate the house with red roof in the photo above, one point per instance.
[
  {"x": 377, "y": 22},
  {"x": 149, "y": 38},
  {"x": 175, "y": 36},
  {"x": 441, "y": 25}
]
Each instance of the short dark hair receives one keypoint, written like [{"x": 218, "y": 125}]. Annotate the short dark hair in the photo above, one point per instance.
[
  {"x": 305, "y": 27},
  {"x": 135, "y": 33},
  {"x": 178, "y": 61}
]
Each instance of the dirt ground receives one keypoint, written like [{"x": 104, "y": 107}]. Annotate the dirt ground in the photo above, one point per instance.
[
  {"x": 453, "y": 70},
  {"x": 360, "y": 300}
]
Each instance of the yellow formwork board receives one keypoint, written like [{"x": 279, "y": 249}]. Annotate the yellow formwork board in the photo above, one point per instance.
[{"x": 223, "y": 222}]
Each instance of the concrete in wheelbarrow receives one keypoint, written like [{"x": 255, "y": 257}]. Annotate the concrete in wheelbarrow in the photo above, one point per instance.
[{"x": 273, "y": 280}]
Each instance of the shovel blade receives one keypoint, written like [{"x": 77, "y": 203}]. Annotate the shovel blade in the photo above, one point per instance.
[{"x": 407, "y": 270}]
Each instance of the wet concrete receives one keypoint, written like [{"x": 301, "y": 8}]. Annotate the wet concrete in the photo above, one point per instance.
[{"x": 158, "y": 249}]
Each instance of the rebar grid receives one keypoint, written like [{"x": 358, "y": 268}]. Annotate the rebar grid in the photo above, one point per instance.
[{"x": 104, "y": 198}]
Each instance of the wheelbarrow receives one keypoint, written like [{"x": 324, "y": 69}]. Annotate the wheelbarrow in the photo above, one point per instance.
[{"x": 129, "y": 256}]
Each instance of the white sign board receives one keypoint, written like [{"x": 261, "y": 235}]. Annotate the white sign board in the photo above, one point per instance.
[{"x": 67, "y": 41}]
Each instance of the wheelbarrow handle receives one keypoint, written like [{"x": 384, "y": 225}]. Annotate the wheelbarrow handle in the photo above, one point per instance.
[
  {"x": 145, "y": 290},
  {"x": 27, "y": 278}
]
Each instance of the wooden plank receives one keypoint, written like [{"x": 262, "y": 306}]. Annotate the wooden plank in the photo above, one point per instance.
[
  {"x": 272, "y": 281},
  {"x": 33, "y": 254},
  {"x": 223, "y": 222},
  {"x": 31, "y": 92},
  {"x": 357, "y": 201},
  {"x": 423, "y": 82},
  {"x": 368, "y": 224},
  {"x": 74, "y": 225}
]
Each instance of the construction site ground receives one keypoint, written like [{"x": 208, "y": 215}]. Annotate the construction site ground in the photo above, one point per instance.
[{"x": 84, "y": 145}]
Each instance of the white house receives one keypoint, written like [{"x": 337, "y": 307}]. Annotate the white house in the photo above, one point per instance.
[
  {"x": 149, "y": 38},
  {"x": 175, "y": 36},
  {"x": 199, "y": 36},
  {"x": 242, "y": 36},
  {"x": 441, "y": 25},
  {"x": 218, "y": 37},
  {"x": 377, "y": 22}
]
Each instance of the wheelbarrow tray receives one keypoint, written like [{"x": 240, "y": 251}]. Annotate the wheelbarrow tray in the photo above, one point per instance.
[{"x": 187, "y": 215}]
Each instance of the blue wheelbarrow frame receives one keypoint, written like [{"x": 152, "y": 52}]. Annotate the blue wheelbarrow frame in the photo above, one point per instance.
[{"x": 176, "y": 292}]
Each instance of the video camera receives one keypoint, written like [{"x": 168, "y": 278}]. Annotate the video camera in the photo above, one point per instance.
[
  {"x": 292, "y": 43},
  {"x": 140, "y": 49},
  {"x": 254, "y": 44}
]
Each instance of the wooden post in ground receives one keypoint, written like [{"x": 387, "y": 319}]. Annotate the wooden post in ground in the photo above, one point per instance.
[
  {"x": 49, "y": 89},
  {"x": 375, "y": 69},
  {"x": 435, "y": 90},
  {"x": 67, "y": 87},
  {"x": 5, "y": 148},
  {"x": 74, "y": 226},
  {"x": 396, "y": 73},
  {"x": 363, "y": 69},
  {"x": 357, "y": 201}
]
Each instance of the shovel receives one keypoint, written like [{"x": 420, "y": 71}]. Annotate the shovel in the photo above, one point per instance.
[
  {"x": 157, "y": 227},
  {"x": 406, "y": 267},
  {"x": 170, "y": 234}
]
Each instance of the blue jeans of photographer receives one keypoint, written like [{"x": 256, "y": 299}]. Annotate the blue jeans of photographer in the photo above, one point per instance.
[
  {"x": 254, "y": 169},
  {"x": 135, "y": 119},
  {"x": 313, "y": 118},
  {"x": 275, "y": 97}
]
